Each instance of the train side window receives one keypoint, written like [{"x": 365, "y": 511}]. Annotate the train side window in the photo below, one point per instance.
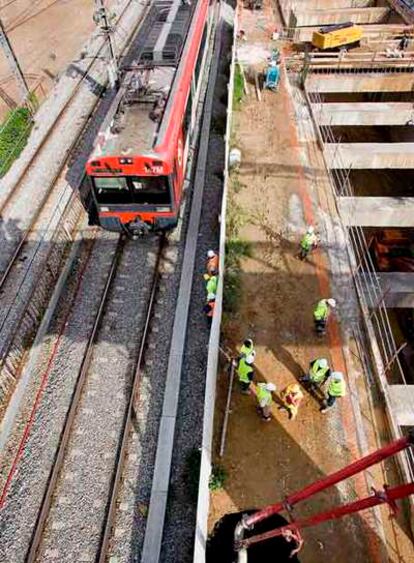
[{"x": 200, "y": 54}]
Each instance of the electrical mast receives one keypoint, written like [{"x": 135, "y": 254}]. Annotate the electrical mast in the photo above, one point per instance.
[
  {"x": 14, "y": 64},
  {"x": 101, "y": 19}
]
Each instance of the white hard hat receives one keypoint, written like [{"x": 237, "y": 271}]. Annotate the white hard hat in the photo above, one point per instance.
[
  {"x": 211, "y": 254},
  {"x": 249, "y": 359},
  {"x": 331, "y": 302},
  {"x": 311, "y": 229},
  {"x": 210, "y": 297},
  {"x": 323, "y": 363},
  {"x": 248, "y": 342},
  {"x": 338, "y": 375},
  {"x": 273, "y": 63},
  {"x": 270, "y": 387}
]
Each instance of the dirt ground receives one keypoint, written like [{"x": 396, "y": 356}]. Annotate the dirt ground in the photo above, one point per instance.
[
  {"x": 266, "y": 462},
  {"x": 46, "y": 35}
]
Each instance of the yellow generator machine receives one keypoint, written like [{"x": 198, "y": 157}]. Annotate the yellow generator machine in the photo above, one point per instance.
[{"x": 337, "y": 36}]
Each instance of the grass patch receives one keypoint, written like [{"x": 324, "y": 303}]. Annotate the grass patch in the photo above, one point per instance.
[
  {"x": 14, "y": 132},
  {"x": 236, "y": 184},
  {"x": 238, "y": 90},
  {"x": 217, "y": 478},
  {"x": 236, "y": 249}
]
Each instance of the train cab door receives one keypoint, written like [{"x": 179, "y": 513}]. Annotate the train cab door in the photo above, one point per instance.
[{"x": 179, "y": 172}]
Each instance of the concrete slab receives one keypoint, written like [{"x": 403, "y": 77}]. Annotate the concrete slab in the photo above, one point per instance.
[
  {"x": 397, "y": 113},
  {"x": 402, "y": 401},
  {"x": 377, "y": 211},
  {"x": 398, "y": 289},
  {"x": 301, "y": 17},
  {"x": 374, "y": 82},
  {"x": 369, "y": 155}
]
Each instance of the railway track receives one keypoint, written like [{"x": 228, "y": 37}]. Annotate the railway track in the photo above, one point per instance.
[
  {"x": 36, "y": 251},
  {"x": 106, "y": 389}
]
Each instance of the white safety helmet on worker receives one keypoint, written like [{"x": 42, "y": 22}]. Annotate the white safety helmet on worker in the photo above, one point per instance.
[
  {"x": 270, "y": 387},
  {"x": 323, "y": 363},
  {"x": 338, "y": 375},
  {"x": 211, "y": 297},
  {"x": 310, "y": 230},
  {"x": 250, "y": 359},
  {"x": 210, "y": 254},
  {"x": 331, "y": 302},
  {"x": 248, "y": 342}
]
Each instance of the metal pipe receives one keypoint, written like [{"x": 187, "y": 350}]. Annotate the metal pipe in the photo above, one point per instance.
[
  {"x": 388, "y": 496},
  {"x": 227, "y": 411},
  {"x": 330, "y": 480}
]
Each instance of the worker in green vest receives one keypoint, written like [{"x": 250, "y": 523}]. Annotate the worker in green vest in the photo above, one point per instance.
[
  {"x": 308, "y": 243},
  {"x": 318, "y": 372},
  {"x": 321, "y": 313},
  {"x": 264, "y": 398},
  {"x": 246, "y": 348},
  {"x": 336, "y": 389},
  {"x": 245, "y": 372},
  {"x": 211, "y": 283}
]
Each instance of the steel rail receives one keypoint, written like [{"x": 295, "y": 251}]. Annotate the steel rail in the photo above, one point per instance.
[
  {"x": 127, "y": 426},
  {"x": 70, "y": 417}
]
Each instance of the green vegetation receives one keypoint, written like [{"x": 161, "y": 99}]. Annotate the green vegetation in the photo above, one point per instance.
[
  {"x": 217, "y": 478},
  {"x": 236, "y": 249},
  {"x": 238, "y": 91},
  {"x": 14, "y": 133}
]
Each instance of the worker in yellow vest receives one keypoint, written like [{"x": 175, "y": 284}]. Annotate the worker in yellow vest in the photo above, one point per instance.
[
  {"x": 245, "y": 372},
  {"x": 321, "y": 314},
  {"x": 308, "y": 243},
  {"x": 211, "y": 283},
  {"x": 212, "y": 264},
  {"x": 246, "y": 348},
  {"x": 318, "y": 373},
  {"x": 264, "y": 398},
  {"x": 336, "y": 389}
]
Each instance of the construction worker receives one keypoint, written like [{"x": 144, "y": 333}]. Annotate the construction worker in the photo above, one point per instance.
[
  {"x": 264, "y": 398},
  {"x": 308, "y": 242},
  {"x": 211, "y": 283},
  {"x": 321, "y": 314},
  {"x": 336, "y": 389},
  {"x": 245, "y": 372},
  {"x": 210, "y": 306},
  {"x": 291, "y": 397},
  {"x": 318, "y": 372},
  {"x": 212, "y": 264},
  {"x": 246, "y": 348}
]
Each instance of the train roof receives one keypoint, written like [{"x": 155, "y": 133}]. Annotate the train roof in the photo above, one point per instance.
[{"x": 135, "y": 116}]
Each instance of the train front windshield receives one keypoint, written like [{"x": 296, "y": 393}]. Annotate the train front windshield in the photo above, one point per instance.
[{"x": 141, "y": 190}]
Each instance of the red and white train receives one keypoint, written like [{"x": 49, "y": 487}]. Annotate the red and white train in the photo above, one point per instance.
[{"x": 138, "y": 164}]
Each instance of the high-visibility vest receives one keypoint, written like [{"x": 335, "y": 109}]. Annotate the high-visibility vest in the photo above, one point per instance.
[
  {"x": 317, "y": 374},
  {"x": 243, "y": 371},
  {"x": 264, "y": 397},
  {"x": 306, "y": 242},
  {"x": 337, "y": 388},
  {"x": 211, "y": 285},
  {"x": 321, "y": 310},
  {"x": 246, "y": 350}
]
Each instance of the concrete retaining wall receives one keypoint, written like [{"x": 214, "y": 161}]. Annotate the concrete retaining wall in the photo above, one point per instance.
[
  {"x": 203, "y": 505},
  {"x": 342, "y": 15}
]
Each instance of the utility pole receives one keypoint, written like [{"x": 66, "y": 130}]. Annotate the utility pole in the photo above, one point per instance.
[
  {"x": 100, "y": 17},
  {"x": 14, "y": 64}
]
